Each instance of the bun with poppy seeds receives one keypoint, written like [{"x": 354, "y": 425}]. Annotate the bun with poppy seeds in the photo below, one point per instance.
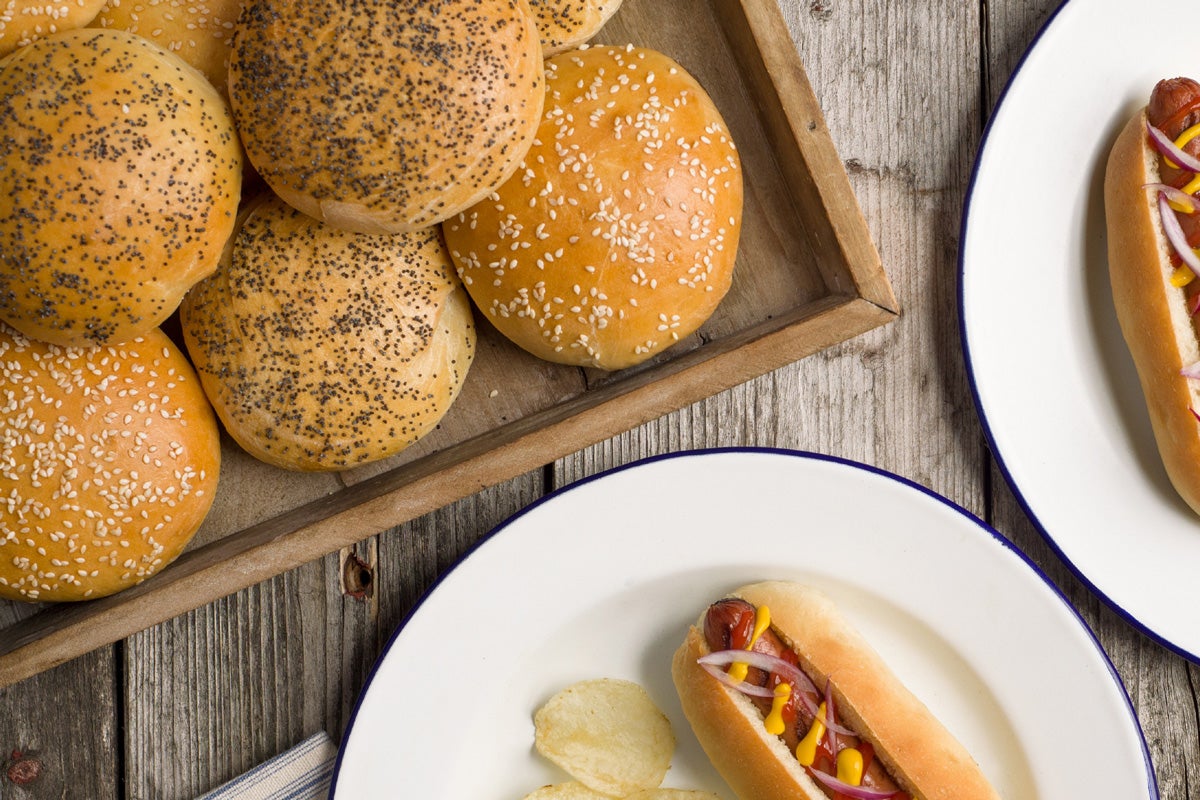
[
  {"x": 120, "y": 176},
  {"x": 385, "y": 117}
]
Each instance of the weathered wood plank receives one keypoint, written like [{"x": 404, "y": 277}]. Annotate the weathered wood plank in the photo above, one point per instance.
[
  {"x": 215, "y": 691},
  {"x": 66, "y": 720}
]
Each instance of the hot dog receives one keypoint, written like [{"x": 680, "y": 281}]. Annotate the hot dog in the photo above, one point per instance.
[
  {"x": 1153, "y": 224},
  {"x": 843, "y": 728}
]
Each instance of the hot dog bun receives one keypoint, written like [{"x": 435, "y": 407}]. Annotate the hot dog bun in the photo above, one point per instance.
[
  {"x": 1151, "y": 311},
  {"x": 919, "y": 753}
]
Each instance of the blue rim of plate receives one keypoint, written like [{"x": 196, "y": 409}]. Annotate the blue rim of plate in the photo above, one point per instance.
[
  {"x": 993, "y": 447},
  {"x": 1151, "y": 779}
]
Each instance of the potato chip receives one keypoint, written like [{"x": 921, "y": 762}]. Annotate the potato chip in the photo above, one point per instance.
[
  {"x": 607, "y": 734},
  {"x": 670, "y": 794},
  {"x": 571, "y": 790}
]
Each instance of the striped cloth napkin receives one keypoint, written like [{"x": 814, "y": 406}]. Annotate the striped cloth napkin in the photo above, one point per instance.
[{"x": 302, "y": 773}]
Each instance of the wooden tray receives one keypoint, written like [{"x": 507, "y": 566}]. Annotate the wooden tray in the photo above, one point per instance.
[{"x": 807, "y": 277}]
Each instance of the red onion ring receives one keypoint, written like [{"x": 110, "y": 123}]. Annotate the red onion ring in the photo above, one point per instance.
[
  {"x": 1176, "y": 236},
  {"x": 856, "y": 792},
  {"x": 1176, "y": 155},
  {"x": 767, "y": 663},
  {"x": 716, "y": 663},
  {"x": 830, "y": 716},
  {"x": 1191, "y": 371},
  {"x": 1176, "y": 196}
]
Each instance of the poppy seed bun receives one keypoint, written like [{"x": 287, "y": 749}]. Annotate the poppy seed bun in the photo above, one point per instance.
[
  {"x": 198, "y": 31},
  {"x": 23, "y": 21},
  {"x": 406, "y": 113},
  {"x": 323, "y": 349},
  {"x": 617, "y": 236},
  {"x": 120, "y": 175},
  {"x": 563, "y": 24},
  {"x": 109, "y": 459}
]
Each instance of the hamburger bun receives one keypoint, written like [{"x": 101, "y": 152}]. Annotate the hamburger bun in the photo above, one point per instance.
[
  {"x": 564, "y": 24},
  {"x": 199, "y": 31},
  {"x": 109, "y": 459},
  {"x": 617, "y": 236},
  {"x": 120, "y": 175},
  {"x": 23, "y": 21},
  {"x": 404, "y": 115},
  {"x": 323, "y": 349}
]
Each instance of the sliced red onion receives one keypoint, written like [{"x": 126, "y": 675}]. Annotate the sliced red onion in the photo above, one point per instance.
[
  {"x": 716, "y": 663},
  {"x": 1177, "y": 196},
  {"x": 1194, "y": 414},
  {"x": 767, "y": 663},
  {"x": 856, "y": 792},
  {"x": 830, "y": 716},
  {"x": 1195, "y": 304},
  {"x": 1164, "y": 145},
  {"x": 1176, "y": 236},
  {"x": 745, "y": 687},
  {"x": 1191, "y": 371}
]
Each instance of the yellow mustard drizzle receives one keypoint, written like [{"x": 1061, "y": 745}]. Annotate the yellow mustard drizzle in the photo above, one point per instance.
[
  {"x": 806, "y": 750},
  {"x": 774, "y": 721},
  {"x": 1182, "y": 139},
  {"x": 850, "y": 766},
  {"x": 762, "y": 621}
]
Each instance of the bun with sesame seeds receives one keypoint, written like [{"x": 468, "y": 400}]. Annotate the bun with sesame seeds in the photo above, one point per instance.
[
  {"x": 618, "y": 234},
  {"x": 323, "y": 349},
  {"x": 23, "y": 21},
  {"x": 385, "y": 117},
  {"x": 109, "y": 460},
  {"x": 563, "y": 24},
  {"x": 120, "y": 175}
]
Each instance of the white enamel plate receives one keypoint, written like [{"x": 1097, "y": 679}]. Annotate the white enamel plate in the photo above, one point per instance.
[
  {"x": 602, "y": 579},
  {"x": 1055, "y": 386}
]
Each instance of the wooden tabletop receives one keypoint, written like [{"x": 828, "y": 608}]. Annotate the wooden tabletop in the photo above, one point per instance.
[{"x": 906, "y": 88}]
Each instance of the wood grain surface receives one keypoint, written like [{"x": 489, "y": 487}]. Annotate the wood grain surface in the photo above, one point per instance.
[{"x": 906, "y": 88}]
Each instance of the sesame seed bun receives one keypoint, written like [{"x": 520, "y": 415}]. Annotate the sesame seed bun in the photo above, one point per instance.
[
  {"x": 617, "y": 236},
  {"x": 23, "y": 21},
  {"x": 564, "y": 24},
  {"x": 405, "y": 114},
  {"x": 120, "y": 175},
  {"x": 322, "y": 349},
  {"x": 198, "y": 31},
  {"x": 109, "y": 459}
]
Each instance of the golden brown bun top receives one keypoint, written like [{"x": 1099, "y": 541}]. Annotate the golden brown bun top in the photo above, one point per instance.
[
  {"x": 617, "y": 236},
  {"x": 23, "y": 21},
  {"x": 323, "y": 349},
  {"x": 917, "y": 749},
  {"x": 111, "y": 460},
  {"x": 756, "y": 765},
  {"x": 563, "y": 24},
  {"x": 120, "y": 175},
  {"x": 198, "y": 31},
  {"x": 385, "y": 116},
  {"x": 1152, "y": 313}
]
